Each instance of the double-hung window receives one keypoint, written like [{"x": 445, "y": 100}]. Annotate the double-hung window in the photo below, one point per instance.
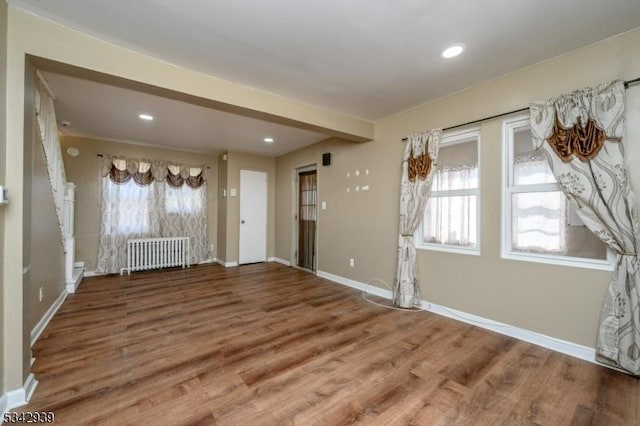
[
  {"x": 451, "y": 216},
  {"x": 539, "y": 224}
]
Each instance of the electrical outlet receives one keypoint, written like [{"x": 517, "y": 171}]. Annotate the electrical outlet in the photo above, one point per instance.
[
  {"x": 352, "y": 262},
  {"x": 41, "y": 294}
]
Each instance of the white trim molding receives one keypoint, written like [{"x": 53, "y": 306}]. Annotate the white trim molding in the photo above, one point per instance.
[
  {"x": 568, "y": 348},
  {"x": 40, "y": 326},
  {"x": 211, "y": 260},
  {"x": 29, "y": 387},
  {"x": 74, "y": 283},
  {"x": 18, "y": 397},
  {"x": 452, "y": 138},
  {"x": 279, "y": 260},
  {"x": 371, "y": 289},
  {"x": 558, "y": 345},
  {"x": 226, "y": 264},
  {"x": 510, "y": 188}
]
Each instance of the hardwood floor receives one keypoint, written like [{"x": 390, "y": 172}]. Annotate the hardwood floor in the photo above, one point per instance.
[{"x": 267, "y": 344}]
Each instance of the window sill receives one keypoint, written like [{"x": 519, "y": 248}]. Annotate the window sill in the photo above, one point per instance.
[
  {"x": 470, "y": 251},
  {"x": 573, "y": 262}
]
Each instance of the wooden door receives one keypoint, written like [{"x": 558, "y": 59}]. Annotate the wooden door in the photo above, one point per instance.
[{"x": 307, "y": 218}]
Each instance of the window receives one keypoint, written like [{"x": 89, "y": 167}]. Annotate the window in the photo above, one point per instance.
[
  {"x": 539, "y": 224},
  {"x": 184, "y": 200},
  {"x": 451, "y": 216},
  {"x": 130, "y": 215}
]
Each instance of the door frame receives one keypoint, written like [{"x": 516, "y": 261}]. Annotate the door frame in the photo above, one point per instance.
[{"x": 294, "y": 215}]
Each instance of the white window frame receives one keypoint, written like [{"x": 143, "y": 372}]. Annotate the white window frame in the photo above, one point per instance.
[
  {"x": 448, "y": 139},
  {"x": 509, "y": 126}
]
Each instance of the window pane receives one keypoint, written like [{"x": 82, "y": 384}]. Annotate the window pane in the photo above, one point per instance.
[
  {"x": 451, "y": 221},
  {"x": 130, "y": 211},
  {"x": 184, "y": 199},
  {"x": 529, "y": 166},
  {"x": 540, "y": 224},
  {"x": 457, "y": 166}
]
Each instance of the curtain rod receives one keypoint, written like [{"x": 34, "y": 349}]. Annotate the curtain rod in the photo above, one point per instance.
[
  {"x": 101, "y": 155},
  {"x": 627, "y": 84}
]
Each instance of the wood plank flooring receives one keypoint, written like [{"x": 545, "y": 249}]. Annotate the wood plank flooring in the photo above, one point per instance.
[{"x": 267, "y": 344}]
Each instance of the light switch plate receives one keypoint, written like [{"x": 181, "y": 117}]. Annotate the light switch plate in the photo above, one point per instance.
[
  {"x": 3, "y": 195},
  {"x": 233, "y": 192}
]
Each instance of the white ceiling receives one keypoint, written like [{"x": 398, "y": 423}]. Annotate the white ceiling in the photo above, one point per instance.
[
  {"x": 110, "y": 112},
  {"x": 364, "y": 58}
]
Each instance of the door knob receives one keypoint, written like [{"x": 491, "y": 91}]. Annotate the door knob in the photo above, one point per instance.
[{"x": 242, "y": 221}]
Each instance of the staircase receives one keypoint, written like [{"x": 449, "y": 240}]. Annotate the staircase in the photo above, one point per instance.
[{"x": 63, "y": 192}]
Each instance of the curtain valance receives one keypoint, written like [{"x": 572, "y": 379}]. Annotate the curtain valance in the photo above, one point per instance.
[
  {"x": 577, "y": 124},
  {"x": 143, "y": 172}
]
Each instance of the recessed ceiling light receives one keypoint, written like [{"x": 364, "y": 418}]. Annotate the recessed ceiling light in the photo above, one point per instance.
[
  {"x": 74, "y": 152},
  {"x": 146, "y": 117},
  {"x": 268, "y": 140},
  {"x": 452, "y": 51}
]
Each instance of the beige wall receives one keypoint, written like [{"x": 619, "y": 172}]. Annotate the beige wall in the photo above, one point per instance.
[
  {"x": 13, "y": 212},
  {"x": 43, "y": 253},
  {"x": 222, "y": 208},
  {"x": 30, "y": 136},
  {"x": 355, "y": 222},
  {"x": 46, "y": 250},
  {"x": 235, "y": 162},
  {"x": 3, "y": 99},
  {"x": 84, "y": 172},
  {"x": 563, "y": 302}
]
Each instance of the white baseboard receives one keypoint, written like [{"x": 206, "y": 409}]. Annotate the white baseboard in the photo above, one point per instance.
[
  {"x": 78, "y": 274},
  {"x": 278, "y": 260},
  {"x": 371, "y": 289},
  {"x": 204, "y": 262},
  {"x": 40, "y": 326},
  {"x": 18, "y": 397},
  {"x": 78, "y": 265},
  {"x": 563, "y": 346},
  {"x": 226, "y": 264},
  {"x": 569, "y": 348},
  {"x": 30, "y": 387}
]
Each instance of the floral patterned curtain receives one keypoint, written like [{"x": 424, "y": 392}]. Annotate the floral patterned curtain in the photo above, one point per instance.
[
  {"x": 146, "y": 199},
  {"x": 583, "y": 133},
  {"x": 418, "y": 166}
]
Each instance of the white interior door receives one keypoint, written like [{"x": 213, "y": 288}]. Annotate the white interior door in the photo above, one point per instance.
[{"x": 253, "y": 217}]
